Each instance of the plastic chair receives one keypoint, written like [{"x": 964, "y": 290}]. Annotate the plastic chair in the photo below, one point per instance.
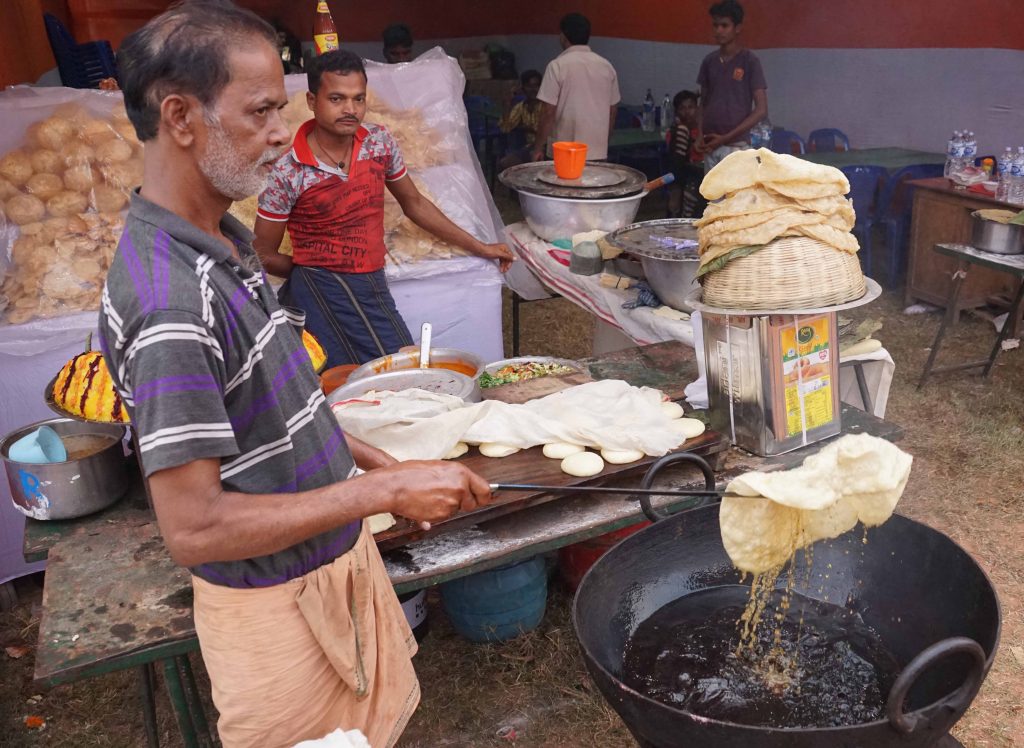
[
  {"x": 866, "y": 182},
  {"x": 896, "y": 205},
  {"x": 827, "y": 139},
  {"x": 80, "y": 65},
  {"x": 626, "y": 117},
  {"x": 651, "y": 160},
  {"x": 484, "y": 131},
  {"x": 787, "y": 141}
]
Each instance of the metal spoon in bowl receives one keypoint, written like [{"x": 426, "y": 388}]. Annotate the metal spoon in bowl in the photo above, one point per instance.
[{"x": 425, "y": 345}]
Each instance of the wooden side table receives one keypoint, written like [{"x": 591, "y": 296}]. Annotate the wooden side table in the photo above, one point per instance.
[{"x": 967, "y": 256}]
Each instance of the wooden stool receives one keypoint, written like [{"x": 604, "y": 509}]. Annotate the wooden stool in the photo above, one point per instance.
[{"x": 965, "y": 257}]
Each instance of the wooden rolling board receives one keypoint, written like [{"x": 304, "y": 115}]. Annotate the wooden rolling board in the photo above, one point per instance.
[
  {"x": 531, "y": 466},
  {"x": 521, "y": 392}
]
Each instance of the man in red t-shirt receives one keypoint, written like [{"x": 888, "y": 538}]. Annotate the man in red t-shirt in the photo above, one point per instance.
[{"x": 328, "y": 191}]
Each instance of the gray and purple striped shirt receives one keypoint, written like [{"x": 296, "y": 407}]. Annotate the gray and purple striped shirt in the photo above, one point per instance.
[{"x": 210, "y": 366}]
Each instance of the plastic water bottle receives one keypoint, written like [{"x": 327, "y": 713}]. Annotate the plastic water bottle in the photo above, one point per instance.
[
  {"x": 970, "y": 149},
  {"x": 1003, "y": 169},
  {"x": 950, "y": 155},
  {"x": 666, "y": 113},
  {"x": 647, "y": 120},
  {"x": 1017, "y": 178}
]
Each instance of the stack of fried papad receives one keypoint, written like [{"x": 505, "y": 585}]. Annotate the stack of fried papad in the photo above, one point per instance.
[{"x": 760, "y": 196}]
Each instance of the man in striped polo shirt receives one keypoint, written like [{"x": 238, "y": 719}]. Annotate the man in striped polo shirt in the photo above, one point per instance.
[{"x": 253, "y": 482}]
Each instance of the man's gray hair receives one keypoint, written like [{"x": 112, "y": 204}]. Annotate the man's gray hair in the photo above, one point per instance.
[{"x": 183, "y": 51}]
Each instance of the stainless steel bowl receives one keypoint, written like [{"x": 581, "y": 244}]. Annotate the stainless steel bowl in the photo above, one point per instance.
[
  {"x": 411, "y": 360},
  {"x": 670, "y": 271},
  {"x": 76, "y": 487},
  {"x": 992, "y": 236},
  {"x": 672, "y": 280},
  {"x": 441, "y": 381},
  {"x": 553, "y": 218}
]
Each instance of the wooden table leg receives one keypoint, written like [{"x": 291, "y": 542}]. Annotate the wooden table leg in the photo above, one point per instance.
[
  {"x": 1013, "y": 315},
  {"x": 947, "y": 319},
  {"x": 146, "y": 690}
]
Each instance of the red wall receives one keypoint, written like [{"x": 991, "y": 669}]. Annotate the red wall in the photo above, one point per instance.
[{"x": 770, "y": 23}]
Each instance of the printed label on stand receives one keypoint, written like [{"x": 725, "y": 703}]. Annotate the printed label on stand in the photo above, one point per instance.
[{"x": 807, "y": 375}]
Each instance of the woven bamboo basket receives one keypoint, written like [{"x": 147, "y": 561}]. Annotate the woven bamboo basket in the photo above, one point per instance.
[{"x": 788, "y": 273}]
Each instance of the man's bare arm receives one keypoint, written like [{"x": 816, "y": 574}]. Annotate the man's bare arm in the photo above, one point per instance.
[
  {"x": 202, "y": 523},
  {"x": 267, "y": 243},
  {"x": 544, "y": 130}
]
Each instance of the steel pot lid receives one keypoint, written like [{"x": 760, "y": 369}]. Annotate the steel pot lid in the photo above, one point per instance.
[
  {"x": 664, "y": 239},
  {"x": 440, "y": 381},
  {"x": 600, "y": 180}
]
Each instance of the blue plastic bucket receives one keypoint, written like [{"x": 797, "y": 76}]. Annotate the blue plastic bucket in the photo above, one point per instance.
[{"x": 499, "y": 604}]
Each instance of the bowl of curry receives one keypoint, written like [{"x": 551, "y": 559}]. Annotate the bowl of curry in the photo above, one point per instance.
[{"x": 452, "y": 359}]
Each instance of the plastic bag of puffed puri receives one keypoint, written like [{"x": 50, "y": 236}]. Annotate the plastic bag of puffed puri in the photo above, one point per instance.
[
  {"x": 68, "y": 161},
  {"x": 420, "y": 103}
]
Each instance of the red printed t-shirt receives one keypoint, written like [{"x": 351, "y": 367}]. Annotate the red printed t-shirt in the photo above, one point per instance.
[{"x": 335, "y": 220}]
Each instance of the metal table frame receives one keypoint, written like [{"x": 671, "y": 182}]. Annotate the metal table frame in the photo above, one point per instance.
[{"x": 966, "y": 256}]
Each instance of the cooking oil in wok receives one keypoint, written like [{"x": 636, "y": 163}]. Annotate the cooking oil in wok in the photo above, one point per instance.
[{"x": 819, "y": 665}]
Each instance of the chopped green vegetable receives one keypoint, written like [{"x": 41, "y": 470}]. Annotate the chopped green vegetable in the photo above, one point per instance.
[{"x": 521, "y": 372}]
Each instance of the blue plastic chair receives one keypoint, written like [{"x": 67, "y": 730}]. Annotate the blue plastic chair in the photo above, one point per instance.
[
  {"x": 896, "y": 208},
  {"x": 626, "y": 117},
  {"x": 787, "y": 141},
  {"x": 866, "y": 182},
  {"x": 80, "y": 65},
  {"x": 827, "y": 139},
  {"x": 485, "y": 132}
]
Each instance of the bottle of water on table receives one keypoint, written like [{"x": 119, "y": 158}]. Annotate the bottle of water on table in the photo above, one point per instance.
[
  {"x": 1017, "y": 178},
  {"x": 970, "y": 150},
  {"x": 1003, "y": 170},
  {"x": 647, "y": 119},
  {"x": 667, "y": 115}
]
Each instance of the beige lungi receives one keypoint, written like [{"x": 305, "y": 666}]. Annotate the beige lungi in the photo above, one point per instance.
[{"x": 300, "y": 659}]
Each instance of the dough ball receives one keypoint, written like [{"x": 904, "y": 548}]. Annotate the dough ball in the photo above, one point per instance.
[
  {"x": 44, "y": 186},
  {"x": 67, "y": 203},
  {"x": 672, "y": 409},
  {"x": 381, "y": 522},
  {"x": 126, "y": 174},
  {"x": 690, "y": 428},
  {"x": 79, "y": 178},
  {"x": 77, "y": 152},
  {"x": 16, "y": 167},
  {"x": 7, "y": 189},
  {"x": 96, "y": 131},
  {"x": 494, "y": 449},
  {"x": 107, "y": 199},
  {"x": 45, "y": 161},
  {"x": 621, "y": 456},
  {"x": 583, "y": 464},
  {"x": 113, "y": 151},
  {"x": 561, "y": 450},
  {"x": 457, "y": 451},
  {"x": 24, "y": 209},
  {"x": 54, "y": 132}
]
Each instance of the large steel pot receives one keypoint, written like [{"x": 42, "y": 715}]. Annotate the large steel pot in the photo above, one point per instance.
[
  {"x": 993, "y": 236},
  {"x": 553, "y": 218},
  {"x": 933, "y": 606},
  {"x": 74, "y": 488},
  {"x": 671, "y": 272}
]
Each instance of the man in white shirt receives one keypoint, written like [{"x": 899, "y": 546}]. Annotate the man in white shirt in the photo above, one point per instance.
[{"x": 579, "y": 93}]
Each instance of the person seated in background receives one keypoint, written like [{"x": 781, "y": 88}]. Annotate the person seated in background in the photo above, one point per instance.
[
  {"x": 397, "y": 43},
  {"x": 523, "y": 120},
  {"x": 685, "y": 162}
]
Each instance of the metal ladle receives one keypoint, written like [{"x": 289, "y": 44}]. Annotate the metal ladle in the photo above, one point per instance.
[{"x": 425, "y": 333}]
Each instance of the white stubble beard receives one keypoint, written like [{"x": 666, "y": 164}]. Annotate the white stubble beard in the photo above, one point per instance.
[{"x": 228, "y": 170}]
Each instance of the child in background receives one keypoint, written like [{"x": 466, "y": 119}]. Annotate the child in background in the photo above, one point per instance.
[
  {"x": 523, "y": 119},
  {"x": 686, "y": 164}
]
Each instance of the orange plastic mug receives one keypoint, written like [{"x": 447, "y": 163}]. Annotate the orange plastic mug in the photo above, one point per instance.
[{"x": 570, "y": 158}]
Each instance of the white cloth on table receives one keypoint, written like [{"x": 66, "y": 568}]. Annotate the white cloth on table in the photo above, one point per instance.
[
  {"x": 419, "y": 425},
  {"x": 640, "y": 324}
]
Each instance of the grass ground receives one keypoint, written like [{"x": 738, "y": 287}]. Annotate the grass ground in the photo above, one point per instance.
[{"x": 967, "y": 438}]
